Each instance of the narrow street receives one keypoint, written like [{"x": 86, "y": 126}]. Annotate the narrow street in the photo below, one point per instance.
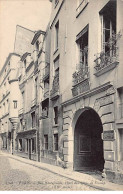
[{"x": 18, "y": 176}]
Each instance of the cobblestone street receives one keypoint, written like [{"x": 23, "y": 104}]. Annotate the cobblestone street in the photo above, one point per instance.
[{"x": 15, "y": 175}]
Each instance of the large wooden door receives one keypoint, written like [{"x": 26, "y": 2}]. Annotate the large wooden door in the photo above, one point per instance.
[{"x": 88, "y": 145}]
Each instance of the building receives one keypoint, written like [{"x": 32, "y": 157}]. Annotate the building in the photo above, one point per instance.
[
  {"x": 86, "y": 84},
  {"x": 71, "y": 90},
  {"x": 9, "y": 103},
  {"x": 29, "y": 84}
]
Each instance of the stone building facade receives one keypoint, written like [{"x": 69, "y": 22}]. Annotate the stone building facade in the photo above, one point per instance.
[
  {"x": 71, "y": 89},
  {"x": 86, "y": 54},
  {"x": 9, "y": 103}
]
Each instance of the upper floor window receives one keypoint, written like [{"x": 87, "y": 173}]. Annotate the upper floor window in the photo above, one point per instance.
[
  {"x": 55, "y": 115},
  {"x": 37, "y": 46},
  {"x": 108, "y": 22},
  {"x": 15, "y": 104},
  {"x": 56, "y": 66},
  {"x": 57, "y": 35},
  {"x": 55, "y": 142},
  {"x": 33, "y": 119},
  {"x": 45, "y": 142},
  {"x": 82, "y": 43},
  {"x": 25, "y": 63},
  {"x": 45, "y": 108}
]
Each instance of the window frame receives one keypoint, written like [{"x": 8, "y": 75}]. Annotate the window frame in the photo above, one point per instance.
[
  {"x": 46, "y": 142},
  {"x": 55, "y": 142}
]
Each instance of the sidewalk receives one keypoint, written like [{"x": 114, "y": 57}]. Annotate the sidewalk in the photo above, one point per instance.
[{"x": 76, "y": 176}]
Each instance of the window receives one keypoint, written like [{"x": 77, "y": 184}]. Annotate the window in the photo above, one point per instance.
[
  {"x": 56, "y": 36},
  {"x": 33, "y": 119},
  {"x": 7, "y": 105},
  {"x": 23, "y": 99},
  {"x": 36, "y": 85},
  {"x": 108, "y": 20},
  {"x": 56, "y": 115},
  {"x": 15, "y": 104},
  {"x": 37, "y": 46},
  {"x": 45, "y": 108},
  {"x": 33, "y": 145},
  {"x": 25, "y": 63},
  {"x": 46, "y": 142},
  {"x": 120, "y": 144},
  {"x": 20, "y": 145},
  {"x": 55, "y": 142},
  {"x": 21, "y": 124},
  {"x": 26, "y": 145},
  {"x": 82, "y": 42}
]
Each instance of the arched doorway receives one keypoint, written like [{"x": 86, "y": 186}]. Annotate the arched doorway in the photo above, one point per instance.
[{"x": 88, "y": 145}]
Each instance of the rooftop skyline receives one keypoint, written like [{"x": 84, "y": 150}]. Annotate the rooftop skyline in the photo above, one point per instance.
[{"x": 33, "y": 15}]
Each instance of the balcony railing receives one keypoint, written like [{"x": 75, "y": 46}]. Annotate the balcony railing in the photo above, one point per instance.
[
  {"x": 80, "y": 81},
  {"x": 20, "y": 111},
  {"x": 44, "y": 114},
  {"x": 105, "y": 61},
  {"x": 46, "y": 93},
  {"x": 55, "y": 87},
  {"x": 46, "y": 71},
  {"x": 80, "y": 75},
  {"x": 33, "y": 102}
]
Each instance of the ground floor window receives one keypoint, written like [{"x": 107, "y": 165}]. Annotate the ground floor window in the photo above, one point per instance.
[
  {"x": 55, "y": 142},
  {"x": 20, "y": 144},
  {"x": 46, "y": 142},
  {"x": 26, "y": 145},
  {"x": 121, "y": 144},
  {"x": 4, "y": 142},
  {"x": 33, "y": 145}
]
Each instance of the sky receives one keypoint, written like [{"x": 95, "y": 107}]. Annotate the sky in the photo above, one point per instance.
[{"x": 32, "y": 14}]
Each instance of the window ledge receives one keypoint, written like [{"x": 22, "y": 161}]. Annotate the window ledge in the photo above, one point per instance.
[
  {"x": 106, "y": 69},
  {"x": 55, "y": 125}
]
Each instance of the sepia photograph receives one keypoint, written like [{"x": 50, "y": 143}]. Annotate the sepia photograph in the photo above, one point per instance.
[{"x": 61, "y": 95}]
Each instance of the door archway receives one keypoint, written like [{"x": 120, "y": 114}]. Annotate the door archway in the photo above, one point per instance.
[{"x": 88, "y": 145}]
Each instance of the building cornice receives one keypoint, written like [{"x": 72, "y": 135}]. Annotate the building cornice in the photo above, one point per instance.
[
  {"x": 4, "y": 97},
  {"x": 87, "y": 94},
  {"x": 5, "y": 77},
  {"x": 52, "y": 22},
  {"x": 36, "y": 36},
  {"x": 5, "y": 115},
  {"x": 7, "y": 60}
]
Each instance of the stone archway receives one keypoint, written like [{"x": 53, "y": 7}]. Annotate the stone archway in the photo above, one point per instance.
[{"x": 88, "y": 145}]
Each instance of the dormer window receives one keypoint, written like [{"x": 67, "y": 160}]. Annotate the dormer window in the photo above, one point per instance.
[
  {"x": 25, "y": 63},
  {"x": 37, "y": 46}
]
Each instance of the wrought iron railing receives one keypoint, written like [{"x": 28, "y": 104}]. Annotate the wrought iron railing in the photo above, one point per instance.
[
  {"x": 20, "y": 111},
  {"x": 80, "y": 75},
  {"x": 33, "y": 102},
  {"x": 106, "y": 58},
  {"x": 109, "y": 57},
  {"x": 46, "y": 70}
]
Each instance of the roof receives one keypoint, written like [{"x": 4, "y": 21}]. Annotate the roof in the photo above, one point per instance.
[
  {"x": 23, "y": 57},
  {"x": 7, "y": 60},
  {"x": 36, "y": 36}
]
